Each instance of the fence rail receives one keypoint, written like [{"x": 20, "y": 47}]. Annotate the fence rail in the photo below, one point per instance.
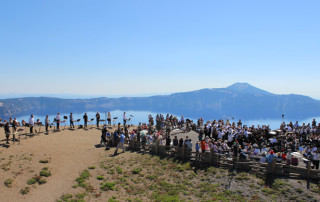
[{"x": 226, "y": 161}]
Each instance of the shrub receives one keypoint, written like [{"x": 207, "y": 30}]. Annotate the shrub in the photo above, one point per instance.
[
  {"x": 45, "y": 173},
  {"x": 8, "y": 182},
  {"x": 108, "y": 186},
  {"x": 42, "y": 181},
  {"x": 31, "y": 181},
  {"x": 25, "y": 190},
  {"x": 43, "y": 161},
  {"x": 92, "y": 167}
]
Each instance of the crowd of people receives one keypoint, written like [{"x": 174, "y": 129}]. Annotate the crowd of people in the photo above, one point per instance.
[
  {"x": 290, "y": 144},
  {"x": 220, "y": 136}
]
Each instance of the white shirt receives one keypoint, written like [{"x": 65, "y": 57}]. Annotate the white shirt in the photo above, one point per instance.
[
  {"x": 124, "y": 117},
  {"x": 58, "y": 117},
  {"x": 31, "y": 121},
  {"x": 316, "y": 157}
]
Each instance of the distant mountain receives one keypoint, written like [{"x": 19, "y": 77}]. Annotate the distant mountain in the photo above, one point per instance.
[
  {"x": 247, "y": 88},
  {"x": 238, "y": 100}
]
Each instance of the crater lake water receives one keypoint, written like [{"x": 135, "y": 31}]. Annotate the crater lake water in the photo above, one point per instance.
[{"x": 142, "y": 116}]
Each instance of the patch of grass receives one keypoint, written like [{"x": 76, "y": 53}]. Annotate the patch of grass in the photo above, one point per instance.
[
  {"x": 91, "y": 167},
  {"x": 6, "y": 166},
  {"x": 8, "y": 182},
  {"x": 108, "y": 186},
  {"x": 31, "y": 181},
  {"x": 278, "y": 184},
  {"x": 25, "y": 190},
  {"x": 42, "y": 181},
  {"x": 36, "y": 179},
  {"x": 136, "y": 170},
  {"x": 45, "y": 172},
  {"x": 44, "y": 161},
  {"x": 83, "y": 176},
  {"x": 300, "y": 191},
  {"x": 158, "y": 197},
  {"x": 119, "y": 170},
  {"x": 100, "y": 177},
  {"x": 242, "y": 176},
  {"x": 111, "y": 171},
  {"x": 268, "y": 191},
  {"x": 151, "y": 177}
]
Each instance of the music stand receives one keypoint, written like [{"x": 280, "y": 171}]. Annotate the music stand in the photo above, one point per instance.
[
  {"x": 65, "y": 121},
  {"x": 91, "y": 120},
  {"x": 114, "y": 120},
  {"x": 77, "y": 121},
  {"x": 39, "y": 124}
]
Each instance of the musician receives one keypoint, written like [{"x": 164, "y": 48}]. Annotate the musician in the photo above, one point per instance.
[
  {"x": 15, "y": 124},
  {"x": 7, "y": 131},
  {"x": 109, "y": 118},
  {"x": 124, "y": 118},
  {"x": 58, "y": 119},
  {"x": 31, "y": 123},
  {"x": 85, "y": 119},
  {"x": 97, "y": 119},
  {"x": 71, "y": 120},
  {"x": 47, "y": 123}
]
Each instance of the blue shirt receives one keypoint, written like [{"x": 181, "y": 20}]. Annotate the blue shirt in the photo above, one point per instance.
[
  {"x": 270, "y": 158},
  {"x": 197, "y": 146},
  {"x": 122, "y": 137}
]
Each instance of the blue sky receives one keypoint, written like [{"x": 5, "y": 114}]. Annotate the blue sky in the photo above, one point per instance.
[{"x": 153, "y": 47}]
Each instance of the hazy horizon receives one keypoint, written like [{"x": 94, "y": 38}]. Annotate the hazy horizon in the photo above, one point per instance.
[{"x": 84, "y": 96}]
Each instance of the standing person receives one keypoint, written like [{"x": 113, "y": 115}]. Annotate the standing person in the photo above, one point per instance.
[
  {"x": 71, "y": 120},
  {"x": 31, "y": 123},
  {"x": 316, "y": 158},
  {"x": 121, "y": 143},
  {"x": 47, "y": 123},
  {"x": 14, "y": 124},
  {"x": 109, "y": 118},
  {"x": 197, "y": 151},
  {"x": 58, "y": 120},
  {"x": 85, "y": 119},
  {"x": 97, "y": 119},
  {"x": 124, "y": 118},
  {"x": 7, "y": 131}
]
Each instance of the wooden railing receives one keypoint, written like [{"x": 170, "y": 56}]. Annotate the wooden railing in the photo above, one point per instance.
[{"x": 226, "y": 161}]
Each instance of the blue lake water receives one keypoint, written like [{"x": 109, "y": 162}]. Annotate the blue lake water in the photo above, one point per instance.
[{"x": 142, "y": 116}]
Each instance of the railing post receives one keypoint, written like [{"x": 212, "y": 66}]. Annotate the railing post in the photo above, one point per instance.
[
  {"x": 309, "y": 169},
  {"x": 183, "y": 151},
  {"x": 274, "y": 165},
  {"x": 157, "y": 147},
  {"x": 211, "y": 156}
]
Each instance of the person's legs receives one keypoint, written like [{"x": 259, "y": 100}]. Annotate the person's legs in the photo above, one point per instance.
[
  {"x": 116, "y": 151},
  {"x": 122, "y": 144},
  {"x": 58, "y": 124},
  {"x": 316, "y": 164},
  {"x": 7, "y": 137}
]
